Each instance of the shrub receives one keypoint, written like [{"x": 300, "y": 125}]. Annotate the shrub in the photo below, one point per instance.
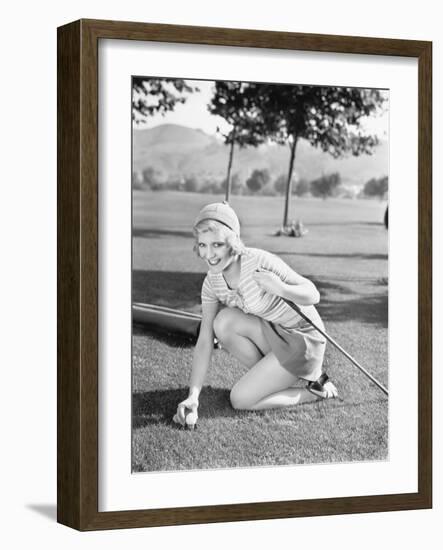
[
  {"x": 151, "y": 177},
  {"x": 191, "y": 184},
  {"x": 376, "y": 187},
  {"x": 326, "y": 185},
  {"x": 258, "y": 179}
]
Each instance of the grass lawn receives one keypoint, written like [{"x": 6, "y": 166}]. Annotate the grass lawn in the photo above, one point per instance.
[{"x": 345, "y": 254}]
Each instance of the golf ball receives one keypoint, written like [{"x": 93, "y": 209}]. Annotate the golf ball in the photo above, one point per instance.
[{"x": 191, "y": 419}]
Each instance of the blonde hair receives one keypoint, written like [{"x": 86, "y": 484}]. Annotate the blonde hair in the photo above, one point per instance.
[{"x": 235, "y": 244}]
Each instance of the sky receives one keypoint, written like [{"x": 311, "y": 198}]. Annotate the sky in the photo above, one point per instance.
[{"x": 194, "y": 114}]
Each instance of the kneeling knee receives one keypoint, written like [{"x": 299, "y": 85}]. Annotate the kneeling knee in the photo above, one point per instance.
[
  {"x": 239, "y": 400},
  {"x": 223, "y": 324}
]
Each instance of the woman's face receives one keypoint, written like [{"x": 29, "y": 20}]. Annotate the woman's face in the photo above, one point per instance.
[{"x": 214, "y": 250}]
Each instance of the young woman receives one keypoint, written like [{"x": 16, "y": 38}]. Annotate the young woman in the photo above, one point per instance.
[{"x": 242, "y": 305}]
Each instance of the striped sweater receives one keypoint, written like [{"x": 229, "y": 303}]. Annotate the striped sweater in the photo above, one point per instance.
[{"x": 248, "y": 296}]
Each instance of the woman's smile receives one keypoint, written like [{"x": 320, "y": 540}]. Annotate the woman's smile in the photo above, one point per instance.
[
  {"x": 214, "y": 261},
  {"x": 214, "y": 251}
]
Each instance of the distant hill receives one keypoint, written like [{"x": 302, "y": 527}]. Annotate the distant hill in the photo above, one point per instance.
[{"x": 178, "y": 151}]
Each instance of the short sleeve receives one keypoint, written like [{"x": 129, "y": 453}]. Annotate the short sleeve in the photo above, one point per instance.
[
  {"x": 208, "y": 295},
  {"x": 275, "y": 264}
]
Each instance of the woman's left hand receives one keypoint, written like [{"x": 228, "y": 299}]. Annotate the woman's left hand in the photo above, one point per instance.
[{"x": 268, "y": 281}]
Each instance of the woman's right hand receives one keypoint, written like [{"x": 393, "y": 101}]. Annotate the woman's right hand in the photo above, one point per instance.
[
  {"x": 189, "y": 405},
  {"x": 200, "y": 363}
]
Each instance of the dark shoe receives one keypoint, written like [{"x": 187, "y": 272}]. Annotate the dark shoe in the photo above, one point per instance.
[{"x": 323, "y": 387}]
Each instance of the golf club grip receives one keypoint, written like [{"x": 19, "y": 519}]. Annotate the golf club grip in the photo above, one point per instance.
[{"x": 334, "y": 343}]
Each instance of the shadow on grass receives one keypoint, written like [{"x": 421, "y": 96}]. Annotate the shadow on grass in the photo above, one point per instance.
[
  {"x": 326, "y": 286},
  {"x": 173, "y": 339},
  {"x": 159, "y": 406},
  {"x": 176, "y": 289},
  {"x": 368, "y": 309},
  {"x": 181, "y": 290},
  {"x": 158, "y": 233},
  {"x": 344, "y": 222},
  {"x": 365, "y": 309},
  {"x": 342, "y": 256}
]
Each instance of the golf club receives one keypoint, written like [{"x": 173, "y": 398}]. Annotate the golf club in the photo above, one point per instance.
[{"x": 335, "y": 344}]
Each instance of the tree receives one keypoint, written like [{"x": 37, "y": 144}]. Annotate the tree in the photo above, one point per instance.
[
  {"x": 302, "y": 187},
  {"x": 191, "y": 183},
  {"x": 376, "y": 187},
  {"x": 326, "y": 116},
  {"x": 153, "y": 178},
  {"x": 234, "y": 102},
  {"x": 325, "y": 185},
  {"x": 151, "y": 96},
  {"x": 257, "y": 180}
]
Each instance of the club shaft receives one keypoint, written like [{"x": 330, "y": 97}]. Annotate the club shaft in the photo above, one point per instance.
[{"x": 335, "y": 344}]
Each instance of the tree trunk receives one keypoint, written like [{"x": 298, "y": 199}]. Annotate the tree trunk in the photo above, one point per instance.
[
  {"x": 289, "y": 182},
  {"x": 229, "y": 175}
]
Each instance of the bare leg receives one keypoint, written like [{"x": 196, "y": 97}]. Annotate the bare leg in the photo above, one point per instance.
[
  {"x": 267, "y": 385},
  {"x": 241, "y": 335}
]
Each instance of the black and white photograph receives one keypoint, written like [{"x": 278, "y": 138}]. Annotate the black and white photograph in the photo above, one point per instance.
[
  {"x": 259, "y": 274},
  {"x": 220, "y": 284}
]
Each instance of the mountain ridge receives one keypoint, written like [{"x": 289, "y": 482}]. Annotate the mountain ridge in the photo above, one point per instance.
[{"x": 174, "y": 150}]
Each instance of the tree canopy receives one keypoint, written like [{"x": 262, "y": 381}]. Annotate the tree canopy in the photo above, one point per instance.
[
  {"x": 328, "y": 117},
  {"x": 151, "y": 96},
  {"x": 236, "y": 103},
  {"x": 258, "y": 179}
]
